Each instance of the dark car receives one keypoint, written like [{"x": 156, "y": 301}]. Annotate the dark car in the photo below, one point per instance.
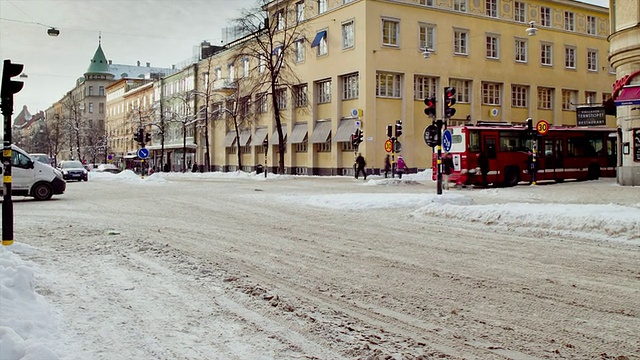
[{"x": 73, "y": 170}]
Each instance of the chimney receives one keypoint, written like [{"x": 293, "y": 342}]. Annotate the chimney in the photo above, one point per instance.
[
  {"x": 109, "y": 62},
  {"x": 148, "y": 64},
  {"x": 138, "y": 62}
]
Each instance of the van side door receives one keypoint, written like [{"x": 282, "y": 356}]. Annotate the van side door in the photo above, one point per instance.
[{"x": 22, "y": 172}]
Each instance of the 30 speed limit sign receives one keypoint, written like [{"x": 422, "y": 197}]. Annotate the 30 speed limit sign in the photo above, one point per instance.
[{"x": 542, "y": 126}]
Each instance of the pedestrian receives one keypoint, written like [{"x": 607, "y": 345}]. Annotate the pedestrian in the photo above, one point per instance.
[
  {"x": 387, "y": 165},
  {"x": 447, "y": 165},
  {"x": 165, "y": 167},
  {"x": 401, "y": 166},
  {"x": 195, "y": 167},
  {"x": 483, "y": 163},
  {"x": 360, "y": 164}
]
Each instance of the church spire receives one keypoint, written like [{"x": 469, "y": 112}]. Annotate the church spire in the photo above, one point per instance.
[{"x": 99, "y": 62}]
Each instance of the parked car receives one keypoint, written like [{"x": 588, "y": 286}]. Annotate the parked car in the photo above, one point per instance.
[
  {"x": 73, "y": 170},
  {"x": 33, "y": 178},
  {"x": 43, "y": 158},
  {"x": 110, "y": 168}
]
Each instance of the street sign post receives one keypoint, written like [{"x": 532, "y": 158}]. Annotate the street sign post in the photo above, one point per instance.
[
  {"x": 542, "y": 126},
  {"x": 388, "y": 146},
  {"x": 143, "y": 153},
  {"x": 446, "y": 140}
]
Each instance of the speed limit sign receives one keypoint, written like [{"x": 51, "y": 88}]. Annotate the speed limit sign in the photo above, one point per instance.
[{"x": 542, "y": 126}]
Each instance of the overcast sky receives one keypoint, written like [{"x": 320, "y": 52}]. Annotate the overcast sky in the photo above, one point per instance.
[{"x": 162, "y": 32}]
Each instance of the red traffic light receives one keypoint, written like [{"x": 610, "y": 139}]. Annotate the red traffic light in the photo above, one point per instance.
[
  {"x": 10, "y": 87},
  {"x": 430, "y": 110}
]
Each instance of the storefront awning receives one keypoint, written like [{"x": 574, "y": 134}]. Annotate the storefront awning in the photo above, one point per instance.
[
  {"x": 274, "y": 137},
  {"x": 299, "y": 133},
  {"x": 260, "y": 135},
  {"x": 345, "y": 129},
  {"x": 630, "y": 95},
  {"x": 229, "y": 139},
  {"x": 245, "y": 135},
  {"x": 321, "y": 132}
]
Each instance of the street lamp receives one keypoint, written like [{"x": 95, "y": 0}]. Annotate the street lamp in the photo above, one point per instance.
[
  {"x": 532, "y": 30},
  {"x": 53, "y": 32}
]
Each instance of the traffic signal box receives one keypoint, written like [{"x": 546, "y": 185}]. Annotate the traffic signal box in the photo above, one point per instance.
[
  {"x": 449, "y": 101},
  {"x": 398, "y": 128},
  {"x": 139, "y": 137},
  {"x": 357, "y": 138},
  {"x": 430, "y": 109},
  {"x": 10, "y": 87}
]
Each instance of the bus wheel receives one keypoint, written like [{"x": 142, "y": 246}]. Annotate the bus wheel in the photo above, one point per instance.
[
  {"x": 559, "y": 180},
  {"x": 594, "y": 172},
  {"x": 511, "y": 176}
]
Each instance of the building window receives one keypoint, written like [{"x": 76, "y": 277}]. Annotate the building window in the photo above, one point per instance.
[
  {"x": 460, "y": 5},
  {"x": 218, "y": 72},
  {"x": 521, "y": 51},
  {"x": 90, "y": 91},
  {"x": 324, "y": 147},
  {"x": 245, "y": 67},
  {"x": 261, "y": 103},
  {"x": 90, "y": 108},
  {"x": 491, "y": 93},
  {"x": 300, "y": 11},
  {"x": 491, "y": 8},
  {"x": 569, "y": 99},
  {"x": 545, "y": 16},
  {"x": 245, "y": 106},
  {"x": 390, "y": 32},
  {"x": 347, "y": 35},
  {"x": 568, "y": 21},
  {"x": 463, "y": 90},
  {"x": 545, "y": 96},
  {"x": 519, "y": 12},
  {"x": 322, "y": 6},
  {"x": 591, "y": 25},
  {"x": 388, "y": 85},
  {"x": 320, "y": 41},
  {"x": 426, "y": 2},
  {"x": 569, "y": 57},
  {"x": 492, "y": 47},
  {"x": 350, "y": 86},
  {"x": 281, "y": 98},
  {"x": 303, "y": 146},
  {"x": 590, "y": 97},
  {"x": 546, "y": 54},
  {"x": 101, "y": 91},
  {"x": 300, "y": 95},
  {"x": 299, "y": 50},
  {"x": 101, "y": 108},
  {"x": 231, "y": 69},
  {"x": 519, "y": 96},
  {"x": 323, "y": 88},
  {"x": 425, "y": 86},
  {"x": 606, "y": 97},
  {"x": 592, "y": 60},
  {"x": 279, "y": 15},
  {"x": 460, "y": 42},
  {"x": 427, "y": 36}
]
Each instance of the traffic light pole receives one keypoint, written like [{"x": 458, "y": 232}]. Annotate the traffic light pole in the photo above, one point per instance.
[
  {"x": 9, "y": 87},
  {"x": 439, "y": 157}
]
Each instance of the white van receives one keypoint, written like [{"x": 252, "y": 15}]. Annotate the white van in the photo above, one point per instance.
[{"x": 33, "y": 178}]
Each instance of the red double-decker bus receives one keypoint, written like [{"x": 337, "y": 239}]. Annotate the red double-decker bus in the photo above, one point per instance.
[{"x": 582, "y": 153}]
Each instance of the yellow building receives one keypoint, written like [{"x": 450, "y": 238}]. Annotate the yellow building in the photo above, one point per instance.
[
  {"x": 369, "y": 63},
  {"x": 625, "y": 59}
]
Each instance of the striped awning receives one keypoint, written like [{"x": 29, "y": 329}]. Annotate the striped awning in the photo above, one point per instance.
[
  {"x": 321, "y": 132},
  {"x": 299, "y": 133},
  {"x": 345, "y": 129},
  {"x": 259, "y": 136},
  {"x": 274, "y": 137},
  {"x": 229, "y": 139}
]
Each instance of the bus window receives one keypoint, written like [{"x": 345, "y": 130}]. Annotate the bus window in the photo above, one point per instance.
[
  {"x": 490, "y": 146},
  {"x": 548, "y": 147},
  {"x": 510, "y": 141},
  {"x": 474, "y": 141}
]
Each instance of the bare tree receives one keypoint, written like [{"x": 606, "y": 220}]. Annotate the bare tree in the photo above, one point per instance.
[
  {"x": 271, "y": 44},
  {"x": 54, "y": 133},
  {"x": 184, "y": 116},
  {"x": 75, "y": 124}
]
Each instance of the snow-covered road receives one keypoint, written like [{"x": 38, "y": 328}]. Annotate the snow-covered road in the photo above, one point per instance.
[{"x": 233, "y": 266}]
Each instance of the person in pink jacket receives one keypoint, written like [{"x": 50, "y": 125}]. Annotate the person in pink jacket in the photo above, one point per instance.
[{"x": 401, "y": 166}]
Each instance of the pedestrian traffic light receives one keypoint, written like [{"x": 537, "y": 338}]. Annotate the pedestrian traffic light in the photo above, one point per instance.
[
  {"x": 147, "y": 138},
  {"x": 10, "y": 87},
  {"x": 389, "y": 131},
  {"x": 360, "y": 136},
  {"x": 430, "y": 110},
  {"x": 449, "y": 101},
  {"x": 398, "y": 128}
]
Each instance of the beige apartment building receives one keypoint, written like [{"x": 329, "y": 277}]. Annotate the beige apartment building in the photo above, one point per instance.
[
  {"x": 625, "y": 58},
  {"x": 369, "y": 63}
]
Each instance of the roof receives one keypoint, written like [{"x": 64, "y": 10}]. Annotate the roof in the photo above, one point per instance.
[{"x": 99, "y": 62}]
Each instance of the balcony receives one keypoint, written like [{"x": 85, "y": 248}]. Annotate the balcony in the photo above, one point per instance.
[{"x": 224, "y": 85}]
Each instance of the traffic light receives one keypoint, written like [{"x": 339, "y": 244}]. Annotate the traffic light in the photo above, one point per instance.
[
  {"x": 398, "y": 128},
  {"x": 360, "y": 136},
  {"x": 147, "y": 138},
  {"x": 389, "y": 131},
  {"x": 449, "y": 101},
  {"x": 10, "y": 87},
  {"x": 139, "y": 136},
  {"x": 430, "y": 110}
]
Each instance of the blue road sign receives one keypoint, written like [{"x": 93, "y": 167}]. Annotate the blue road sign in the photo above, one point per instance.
[
  {"x": 143, "y": 153},
  {"x": 446, "y": 140}
]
